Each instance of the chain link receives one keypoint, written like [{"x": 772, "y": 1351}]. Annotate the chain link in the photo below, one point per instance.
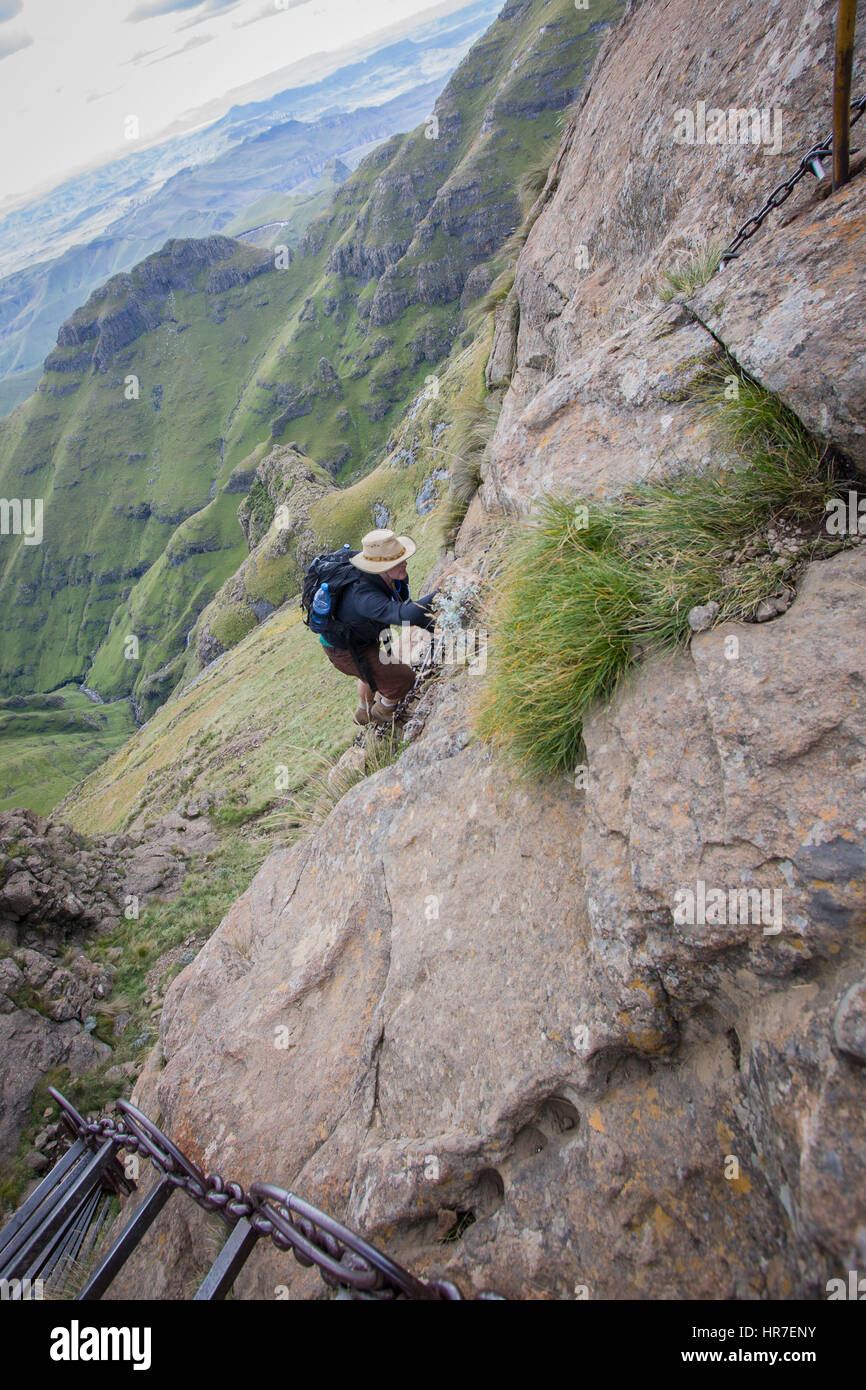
[
  {"x": 314, "y": 1238},
  {"x": 811, "y": 163}
]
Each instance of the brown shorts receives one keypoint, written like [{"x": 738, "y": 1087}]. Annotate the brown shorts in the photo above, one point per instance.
[{"x": 393, "y": 680}]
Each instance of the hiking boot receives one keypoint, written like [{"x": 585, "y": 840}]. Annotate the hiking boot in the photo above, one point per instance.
[
  {"x": 382, "y": 714},
  {"x": 362, "y": 715}
]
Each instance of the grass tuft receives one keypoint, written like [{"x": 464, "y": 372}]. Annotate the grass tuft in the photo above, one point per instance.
[
  {"x": 587, "y": 588},
  {"x": 687, "y": 277}
]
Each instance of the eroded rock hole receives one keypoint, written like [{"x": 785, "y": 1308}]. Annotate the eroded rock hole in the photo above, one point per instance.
[
  {"x": 462, "y": 1221},
  {"x": 558, "y": 1116},
  {"x": 529, "y": 1141},
  {"x": 490, "y": 1194}
]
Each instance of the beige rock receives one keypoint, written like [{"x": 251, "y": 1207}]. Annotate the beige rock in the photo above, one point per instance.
[
  {"x": 594, "y": 401},
  {"x": 490, "y": 1009},
  {"x": 791, "y": 312},
  {"x": 622, "y": 412}
]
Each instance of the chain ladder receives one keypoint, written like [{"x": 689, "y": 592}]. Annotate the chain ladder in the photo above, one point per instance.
[
  {"x": 811, "y": 163},
  {"x": 314, "y": 1238}
]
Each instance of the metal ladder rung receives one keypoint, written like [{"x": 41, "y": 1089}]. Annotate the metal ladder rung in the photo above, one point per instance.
[
  {"x": 48, "y": 1183},
  {"x": 71, "y": 1192},
  {"x": 126, "y": 1242},
  {"x": 229, "y": 1262}
]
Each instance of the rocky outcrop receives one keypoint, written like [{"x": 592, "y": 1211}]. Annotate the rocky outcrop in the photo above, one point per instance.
[
  {"x": 283, "y": 478},
  {"x": 30, "y": 1046},
  {"x": 132, "y": 304},
  {"x": 497, "y": 1009},
  {"x": 55, "y": 883},
  {"x": 274, "y": 517},
  {"x": 55, "y": 887},
  {"x": 58, "y": 889},
  {"x": 625, "y": 201}
]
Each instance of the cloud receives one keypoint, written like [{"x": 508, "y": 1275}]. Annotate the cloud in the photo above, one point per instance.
[
  {"x": 149, "y": 9},
  {"x": 13, "y": 43},
  {"x": 190, "y": 43},
  {"x": 225, "y": 7},
  {"x": 270, "y": 10},
  {"x": 141, "y": 55},
  {"x": 9, "y": 9}
]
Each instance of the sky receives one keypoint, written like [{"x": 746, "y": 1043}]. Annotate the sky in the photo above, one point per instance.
[{"x": 73, "y": 72}]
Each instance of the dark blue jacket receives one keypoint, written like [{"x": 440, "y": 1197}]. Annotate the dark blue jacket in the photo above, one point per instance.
[{"x": 370, "y": 607}]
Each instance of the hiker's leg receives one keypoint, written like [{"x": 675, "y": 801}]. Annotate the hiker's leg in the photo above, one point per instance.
[
  {"x": 393, "y": 680},
  {"x": 345, "y": 662}
]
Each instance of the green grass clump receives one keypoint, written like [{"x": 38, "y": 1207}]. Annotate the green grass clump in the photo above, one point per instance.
[
  {"x": 689, "y": 276},
  {"x": 587, "y": 588},
  {"x": 474, "y": 423},
  {"x": 532, "y": 182}
]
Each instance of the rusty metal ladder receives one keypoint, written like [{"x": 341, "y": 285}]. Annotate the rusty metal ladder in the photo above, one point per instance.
[{"x": 62, "y": 1220}]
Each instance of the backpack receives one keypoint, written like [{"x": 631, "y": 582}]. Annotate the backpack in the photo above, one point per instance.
[{"x": 335, "y": 570}]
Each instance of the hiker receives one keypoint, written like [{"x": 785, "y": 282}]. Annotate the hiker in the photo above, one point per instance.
[{"x": 377, "y": 600}]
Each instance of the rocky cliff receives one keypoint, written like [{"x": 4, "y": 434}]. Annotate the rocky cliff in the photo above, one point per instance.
[
  {"x": 471, "y": 1006},
  {"x": 487, "y": 1009}
]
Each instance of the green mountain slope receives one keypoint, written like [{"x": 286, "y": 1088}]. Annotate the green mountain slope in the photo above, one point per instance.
[
  {"x": 272, "y": 698},
  {"x": 174, "y": 382},
  {"x": 48, "y": 742}
]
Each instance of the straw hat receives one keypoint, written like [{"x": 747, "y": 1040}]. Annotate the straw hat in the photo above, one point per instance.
[{"x": 382, "y": 550}]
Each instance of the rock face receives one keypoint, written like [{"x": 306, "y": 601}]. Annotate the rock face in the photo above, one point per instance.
[
  {"x": 598, "y": 376},
  {"x": 601, "y": 1036},
  {"x": 620, "y": 411},
  {"x": 494, "y": 1007},
  {"x": 789, "y": 312}
]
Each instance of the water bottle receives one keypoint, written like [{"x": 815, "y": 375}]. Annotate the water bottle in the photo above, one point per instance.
[{"x": 321, "y": 609}]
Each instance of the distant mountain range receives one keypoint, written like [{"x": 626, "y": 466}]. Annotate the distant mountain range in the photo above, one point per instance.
[{"x": 55, "y": 249}]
